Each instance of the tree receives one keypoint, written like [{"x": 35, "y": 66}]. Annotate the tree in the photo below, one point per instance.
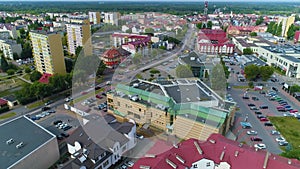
[
  {"x": 3, "y": 64},
  {"x": 139, "y": 76},
  {"x": 199, "y": 25},
  {"x": 217, "y": 77},
  {"x": 247, "y": 51},
  {"x": 64, "y": 40},
  {"x": 279, "y": 29},
  {"x": 291, "y": 32},
  {"x": 149, "y": 30},
  {"x": 266, "y": 72},
  {"x": 26, "y": 51},
  {"x": 252, "y": 71},
  {"x": 154, "y": 71},
  {"x": 27, "y": 70},
  {"x": 15, "y": 56},
  {"x": 259, "y": 20},
  {"x": 78, "y": 50},
  {"x": 209, "y": 24},
  {"x": 251, "y": 84},
  {"x": 253, "y": 34},
  {"x": 69, "y": 64},
  {"x": 270, "y": 27},
  {"x": 35, "y": 75},
  {"x": 101, "y": 68},
  {"x": 183, "y": 71},
  {"x": 137, "y": 58},
  {"x": 274, "y": 29},
  {"x": 294, "y": 88},
  {"x": 10, "y": 71}
]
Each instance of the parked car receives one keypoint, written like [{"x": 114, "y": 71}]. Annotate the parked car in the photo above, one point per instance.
[
  {"x": 256, "y": 139},
  {"x": 65, "y": 134},
  {"x": 57, "y": 122},
  {"x": 278, "y": 139},
  {"x": 275, "y": 89},
  {"x": 49, "y": 102},
  {"x": 264, "y": 119},
  {"x": 262, "y": 92},
  {"x": 129, "y": 163},
  {"x": 272, "y": 99},
  {"x": 268, "y": 124},
  {"x": 260, "y": 116},
  {"x": 45, "y": 108},
  {"x": 251, "y": 104},
  {"x": 252, "y": 132},
  {"x": 83, "y": 93},
  {"x": 293, "y": 111},
  {"x": 59, "y": 137},
  {"x": 245, "y": 125},
  {"x": 68, "y": 99},
  {"x": 275, "y": 132},
  {"x": 283, "y": 143},
  {"x": 99, "y": 96},
  {"x": 255, "y": 98},
  {"x": 282, "y": 109},
  {"x": 260, "y": 146},
  {"x": 139, "y": 136},
  {"x": 67, "y": 128},
  {"x": 263, "y": 107},
  {"x": 245, "y": 97},
  {"x": 253, "y": 108},
  {"x": 258, "y": 112}
]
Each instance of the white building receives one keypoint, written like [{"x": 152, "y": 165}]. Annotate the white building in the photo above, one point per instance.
[
  {"x": 111, "y": 18},
  {"x": 9, "y": 47},
  {"x": 94, "y": 17}
]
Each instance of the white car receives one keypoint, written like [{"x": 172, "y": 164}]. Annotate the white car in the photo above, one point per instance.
[
  {"x": 279, "y": 139},
  {"x": 260, "y": 146},
  {"x": 252, "y": 132},
  {"x": 68, "y": 99},
  {"x": 129, "y": 163}
]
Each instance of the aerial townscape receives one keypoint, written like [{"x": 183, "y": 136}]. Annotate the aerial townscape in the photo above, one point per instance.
[{"x": 150, "y": 84}]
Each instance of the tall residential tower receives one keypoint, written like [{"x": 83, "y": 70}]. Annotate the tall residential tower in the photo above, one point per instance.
[{"x": 48, "y": 52}]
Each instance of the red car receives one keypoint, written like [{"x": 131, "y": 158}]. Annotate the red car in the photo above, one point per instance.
[
  {"x": 279, "y": 107},
  {"x": 256, "y": 139},
  {"x": 264, "y": 119},
  {"x": 99, "y": 96},
  {"x": 293, "y": 111},
  {"x": 83, "y": 93}
]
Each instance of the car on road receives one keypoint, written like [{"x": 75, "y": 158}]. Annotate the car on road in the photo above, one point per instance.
[
  {"x": 260, "y": 146},
  {"x": 68, "y": 99},
  {"x": 245, "y": 97},
  {"x": 255, "y": 139},
  {"x": 283, "y": 143},
  {"x": 278, "y": 139},
  {"x": 275, "y": 132},
  {"x": 252, "y": 132},
  {"x": 139, "y": 136},
  {"x": 99, "y": 96},
  {"x": 83, "y": 93},
  {"x": 268, "y": 124}
]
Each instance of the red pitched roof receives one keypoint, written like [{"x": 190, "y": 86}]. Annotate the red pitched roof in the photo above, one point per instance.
[
  {"x": 297, "y": 36},
  {"x": 45, "y": 78},
  {"x": 3, "y": 102},
  {"x": 236, "y": 156}
]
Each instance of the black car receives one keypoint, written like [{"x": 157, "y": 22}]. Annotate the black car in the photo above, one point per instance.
[
  {"x": 255, "y": 98},
  {"x": 268, "y": 124},
  {"x": 45, "y": 108},
  {"x": 59, "y": 137},
  {"x": 67, "y": 128},
  {"x": 251, "y": 104},
  {"x": 262, "y": 92},
  {"x": 65, "y": 134},
  {"x": 263, "y": 107},
  {"x": 245, "y": 97},
  {"x": 275, "y": 89},
  {"x": 57, "y": 121},
  {"x": 103, "y": 94},
  {"x": 258, "y": 112}
]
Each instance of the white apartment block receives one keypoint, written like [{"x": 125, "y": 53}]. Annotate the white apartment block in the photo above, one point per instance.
[
  {"x": 79, "y": 35},
  {"x": 111, "y": 18},
  {"x": 285, "y": 58},
  {"x": 94, "y": 17},
  {"x": 9, "y": 47}
]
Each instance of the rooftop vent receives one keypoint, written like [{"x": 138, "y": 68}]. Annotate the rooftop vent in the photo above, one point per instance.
[
  {"x": 212, "y": 141},
  {"x": 173, "y": 165},
  {"x": 20, "y": 145},
  {"x": 236, "y": 153},
  {"x": 222, "y": 155},
  {"x": 175, "y": 145},
  {"x": 289, "y": 161},
  {"x": 180, "y": 159},
  {"x": 192, "y": 58},
  {"x": 10, "y": 141},
  {"x": 150, "y": 155},
  {"x": 266, "y": 160},
  {"x": 144, "y": 167},
  {"x": 241, "y": 145},
  {"x": 198, "y": 147}
]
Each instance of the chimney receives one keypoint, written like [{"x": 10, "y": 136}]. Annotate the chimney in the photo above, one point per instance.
[
  {"x": 289, "y": 161},
  {"x": 236, "y": 153}
]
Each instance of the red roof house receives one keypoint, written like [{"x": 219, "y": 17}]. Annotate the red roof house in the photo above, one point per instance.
[
  {"x": 3, "y": 103},
  {"x": 45, "y": 78},
  {"x": 114, "y": 56},
  {"x": 216, "y": 151},
  {"x": 297, "y": 37}
]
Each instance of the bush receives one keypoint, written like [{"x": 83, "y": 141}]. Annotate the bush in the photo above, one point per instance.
[
  {"x": 251, "y": 84},
  {"x": 10, "y": 71},
  {"x": 4, "y": 109},
  {"x": 154, "y": 71},
  {"x": 27, "y": 70}
]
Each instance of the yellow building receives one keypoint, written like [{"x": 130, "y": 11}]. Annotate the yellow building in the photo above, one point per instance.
[
  {"x": 184, "y": 114},
  {"x": 286, "y": 23},
  {"x": 79, "y": 35},
  {"x": 47, "y": 51}
]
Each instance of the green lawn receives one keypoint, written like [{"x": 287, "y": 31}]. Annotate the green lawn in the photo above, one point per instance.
[
  {"x": 35, "y": 104},
  {"x": 289, "y": 127},
  {"x": 240, "y": 87},
  {"x": 7, "y": 115},
  {"x": 27, "y": 77}
]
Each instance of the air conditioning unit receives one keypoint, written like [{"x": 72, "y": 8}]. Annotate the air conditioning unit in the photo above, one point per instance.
[
  {"x": 10, "y": 141},
  {"x": 20, "y": 145}
]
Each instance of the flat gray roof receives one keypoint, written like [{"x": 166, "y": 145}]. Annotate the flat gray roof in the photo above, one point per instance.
[
  {"x": 187, "y": 93},
  {"x": 21, "y": 129},
  {"x": 291, "y": 58}
]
